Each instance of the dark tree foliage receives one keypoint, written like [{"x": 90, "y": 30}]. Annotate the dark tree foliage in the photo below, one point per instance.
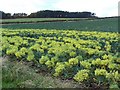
[
  {"x": 61, "y": 14},
  {"x": 19, "y": 15},
  {"x": 48, "y": 14},
  {"x": 5, "y": 15}
]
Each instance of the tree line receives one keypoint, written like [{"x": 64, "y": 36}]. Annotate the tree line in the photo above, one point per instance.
[
  {"x": 48, "y": 14},
  {"x": 4, "y": 15}
]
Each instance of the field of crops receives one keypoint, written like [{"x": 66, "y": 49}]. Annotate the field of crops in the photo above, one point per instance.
[
  {"x": 110, "y": 24},
  {"x": 35, "y": 20},
  {"x": 88, "y": 57}
]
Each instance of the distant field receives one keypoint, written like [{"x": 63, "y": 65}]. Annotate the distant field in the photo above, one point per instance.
[
  {"x": 110, "y": 24},
  {"x": 35, "y": 20}
]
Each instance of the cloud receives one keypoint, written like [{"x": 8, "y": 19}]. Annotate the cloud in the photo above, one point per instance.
[
  {"x": 100, "y": 7},
  {"x": 27, "y": 6}
]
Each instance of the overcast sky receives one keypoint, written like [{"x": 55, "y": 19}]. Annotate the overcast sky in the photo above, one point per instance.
[{"x": 100, "y": 7}]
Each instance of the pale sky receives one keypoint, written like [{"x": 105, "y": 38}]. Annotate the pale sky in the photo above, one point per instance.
[{"x": 100, "y": 7}]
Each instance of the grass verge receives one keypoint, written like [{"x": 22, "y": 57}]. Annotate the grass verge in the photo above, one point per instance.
[{"x": 20, "y": 75}]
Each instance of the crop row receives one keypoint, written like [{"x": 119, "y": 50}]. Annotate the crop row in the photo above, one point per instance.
[
  {"x": 105, "y": 25},
  {"x": 86, "y": 57}
]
